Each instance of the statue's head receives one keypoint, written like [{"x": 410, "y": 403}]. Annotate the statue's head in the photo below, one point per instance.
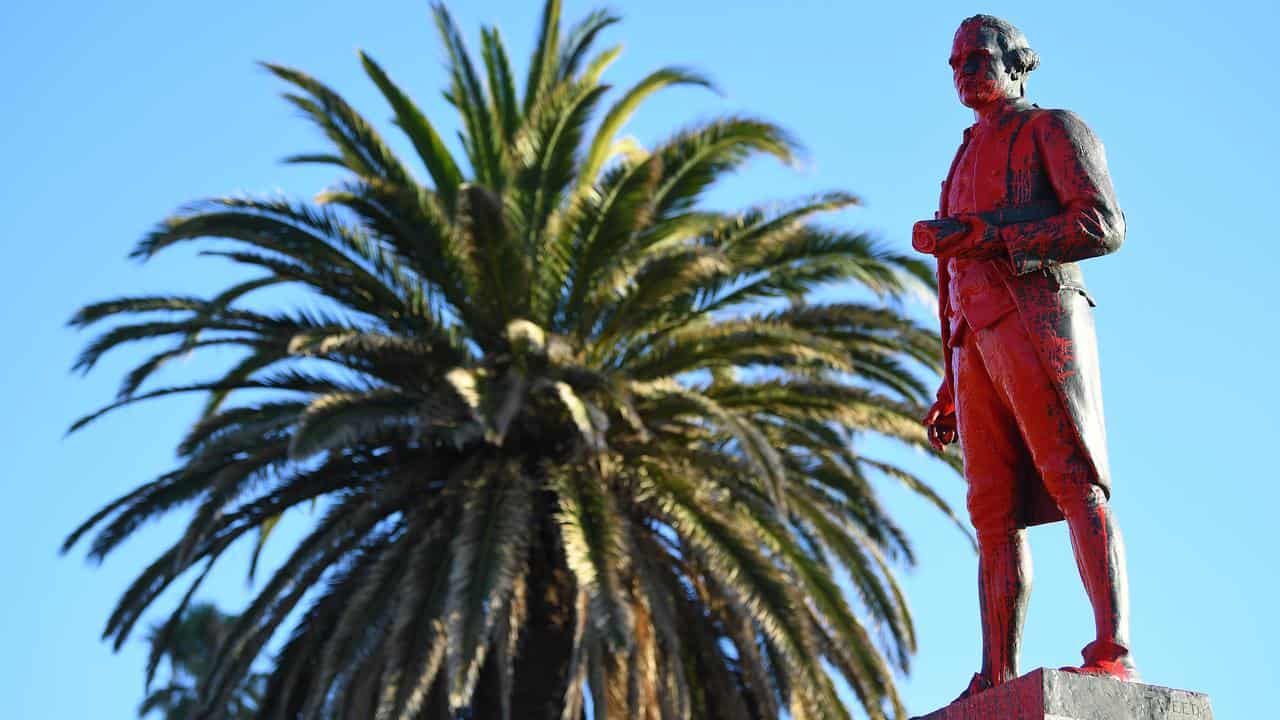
[{"x": 990, "y": 61}]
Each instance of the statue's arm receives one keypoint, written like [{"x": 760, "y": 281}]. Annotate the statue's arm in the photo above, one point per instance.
[
  {"x": 1091, "y": 223},
  {"x": 940, "y": 421}
]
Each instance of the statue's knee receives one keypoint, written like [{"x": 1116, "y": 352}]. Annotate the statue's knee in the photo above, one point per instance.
[
  {"x": 1080, "y": 498},
  {"x": 997, "y": 539},
  {"x": 993, "y": 520}
]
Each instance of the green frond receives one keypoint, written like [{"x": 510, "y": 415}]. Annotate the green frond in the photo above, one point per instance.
[
  {"x": 764, "y": 459},
  {"x": 507, "y": 643},
  {"x": 605, "y": 223},
  {"x": 414, "y": 225},
  {"x": 578, "y": 42},
  {"x": 345, "y": 525},
  {"x": 738, "y": 342},
  {"x": 572, "y": 702},
  {"x": 502, "y": 269},
  {"x": 487, "y": 553},
  {"x": 695, "y": 158},
  {"x": 594, "y": 531},
  {"x": 367, "y": 587},
  {"x": 864, "y": 563},
  {"x": 759, "y": 686},
  {"x": 589, "y": 420},
  {"x": 96, "y": 312},
  {"x": 124, "y": 334},
  {"x": 419, "y": 627},
  {"x": 545, "y": 160},
  {"x": 920, "y": 487},
  {"x": 731, "y": 555},
  {"x": 502, "y": 89},
  {"x": 469, "y": 97},
  {"x": 314, "y": 159},
  {"x": 347, "y": 419},
  {"x": 315, "y": 241},
  {"x": 545, "y": 55},
  {"x": 394, "y": 359},
  {"x": 601, "y": 62},
  {"x": 664, "y": 276},
  {"x": 293, "y": 381},
  {"x": 827, "y": 600},
  {"x": 855, "y": 408},
  {"x": 238, "y": 429},
  {"x": 622, "y": 111},
  {"x": 107, "y": 511},
  {"x": 661, "y": 241},
  {"x": 431, "y": 149},
  {"x": 137, "y": 376},
  {"x": 241, "y": 372},
  {"x": 870, "y": 327},
  {"x": 362, "y": 150},
  {"x": 225, "y": 478},
  {"x": 759, "y": 235},
  {"x": 809, "y": 259},
  {"x": 265, "y": 530}
]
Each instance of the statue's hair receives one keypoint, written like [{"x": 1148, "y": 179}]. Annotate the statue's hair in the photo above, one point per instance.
[{"x": 1017, "y": 51}]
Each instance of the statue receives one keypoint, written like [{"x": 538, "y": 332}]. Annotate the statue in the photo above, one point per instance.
[{"x": 1027, "y": 196}]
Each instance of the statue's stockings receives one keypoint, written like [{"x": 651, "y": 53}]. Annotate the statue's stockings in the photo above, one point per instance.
[{"x": 1004, "y": 582}]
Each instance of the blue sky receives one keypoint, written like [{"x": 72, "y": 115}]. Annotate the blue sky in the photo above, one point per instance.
[{"x": 117, "y": 113}]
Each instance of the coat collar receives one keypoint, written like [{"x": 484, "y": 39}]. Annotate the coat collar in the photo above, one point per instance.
[{"x": 1009, "y": 107}]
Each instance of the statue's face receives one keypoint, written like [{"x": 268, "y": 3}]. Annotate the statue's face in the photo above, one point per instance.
[{"x": 978, "y": 67}]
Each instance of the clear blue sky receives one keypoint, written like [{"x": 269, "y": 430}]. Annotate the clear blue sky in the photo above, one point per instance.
[{"x": 116, "y": 113}]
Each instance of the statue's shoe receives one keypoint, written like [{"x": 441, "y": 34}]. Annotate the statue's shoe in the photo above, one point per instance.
[
  {"x": 1106, "y": 659},
  {"x": 1106, "y": 668}
]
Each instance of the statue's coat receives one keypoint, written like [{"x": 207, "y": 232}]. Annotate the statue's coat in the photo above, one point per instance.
[{"x": 1042, "y": 177}]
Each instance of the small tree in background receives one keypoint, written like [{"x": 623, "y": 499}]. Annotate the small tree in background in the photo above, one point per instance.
[
  {"x": 189, "y": 642},
  {"x": 563, "y": 438}
]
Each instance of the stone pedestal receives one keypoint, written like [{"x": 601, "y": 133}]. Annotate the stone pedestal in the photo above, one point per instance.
[{"x": 1055, "y": 695}]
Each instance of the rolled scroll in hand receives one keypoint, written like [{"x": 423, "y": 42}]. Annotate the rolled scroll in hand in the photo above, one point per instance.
[{"x": 928, "y": 236}]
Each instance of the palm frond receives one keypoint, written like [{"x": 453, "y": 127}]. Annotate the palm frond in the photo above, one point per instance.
[
  {"x": 625, "y": 107},
  {"x": 578, "y": 42},
  {"x": 467, "y": 94},
  {"x": 431, "y": 149},
  {"x": 487, "y": 554},
  {"x": 545, "y": 49},
  {"x": 362, "y": 150}
]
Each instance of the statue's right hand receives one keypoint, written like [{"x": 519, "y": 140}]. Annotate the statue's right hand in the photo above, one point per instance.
[
  {"x": 934, "y": 237},
  {"x": 941, "y": 424}
]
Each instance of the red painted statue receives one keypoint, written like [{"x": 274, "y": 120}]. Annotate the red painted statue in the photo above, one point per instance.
[{"x": 1027, "y": 196}]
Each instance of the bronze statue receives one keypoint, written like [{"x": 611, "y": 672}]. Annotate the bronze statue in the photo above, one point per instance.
[{"x": 1027, "y": 196}]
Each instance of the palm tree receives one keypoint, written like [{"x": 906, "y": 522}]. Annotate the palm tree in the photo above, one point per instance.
[
  {"x": 190, "y": 641},
  {"x": 571, "y": 433}
]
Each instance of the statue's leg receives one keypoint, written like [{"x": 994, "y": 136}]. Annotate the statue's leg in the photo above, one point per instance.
[
  {"x": 1099, "y": 551},
  {"x": 1004, "y": 583},
  {"x": 1071, "y": 482},
  {"x": 993, "y": 457}
]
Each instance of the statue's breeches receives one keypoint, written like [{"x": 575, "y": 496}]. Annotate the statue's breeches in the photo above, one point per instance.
[{"x": 1014, "y": 431}]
